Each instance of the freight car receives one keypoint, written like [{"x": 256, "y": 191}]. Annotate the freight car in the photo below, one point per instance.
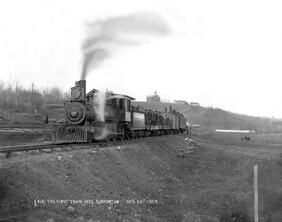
[{"x": 108, "y": 116}]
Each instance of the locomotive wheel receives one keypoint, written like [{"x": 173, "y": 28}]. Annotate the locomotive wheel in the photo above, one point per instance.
[
  {"x": 134, "y": 135},
  {"x": 146, "y": 134},
  {"x": 121, "y": 137},
  {"x": 126, "y": 136}
]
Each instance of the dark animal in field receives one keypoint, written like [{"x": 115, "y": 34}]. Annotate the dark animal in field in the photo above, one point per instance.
[{"x": 247, "y": 138}]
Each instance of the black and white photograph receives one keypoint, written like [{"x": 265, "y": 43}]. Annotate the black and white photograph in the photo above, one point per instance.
[{"x": 141, "y": 111}]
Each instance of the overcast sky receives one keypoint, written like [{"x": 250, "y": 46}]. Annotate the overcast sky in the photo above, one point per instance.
[{"x": 220, "y": 53}]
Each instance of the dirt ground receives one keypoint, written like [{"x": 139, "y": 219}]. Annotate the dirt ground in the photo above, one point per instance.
[
  {"x": 154, "y": 179},
  {"x": 21, "y": 136}
]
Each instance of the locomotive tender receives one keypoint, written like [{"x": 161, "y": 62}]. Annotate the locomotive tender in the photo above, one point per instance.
[{"x": 108, "y": 116}]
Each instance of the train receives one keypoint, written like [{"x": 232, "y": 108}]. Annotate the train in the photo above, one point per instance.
[{"x": 96, "y": 116}]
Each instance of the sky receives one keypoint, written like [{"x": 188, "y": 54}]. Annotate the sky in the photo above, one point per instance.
[{"x": 224, "y": 54}]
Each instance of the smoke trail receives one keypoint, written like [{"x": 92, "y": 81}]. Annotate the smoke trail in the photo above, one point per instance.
[
  {"x": 107, "y": 35},
  {"x": 94, "y": 58}
]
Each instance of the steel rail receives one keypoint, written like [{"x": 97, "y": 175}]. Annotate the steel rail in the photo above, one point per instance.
[{"x": 31, "y": 147}]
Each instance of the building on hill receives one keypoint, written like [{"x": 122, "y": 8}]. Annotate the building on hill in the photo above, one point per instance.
[
  {"x": 154, "y": 98},
  {"x": 181, "y": 102},
  {"x": 195, "y": 104}
]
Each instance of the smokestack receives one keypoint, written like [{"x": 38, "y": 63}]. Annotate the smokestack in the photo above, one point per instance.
[{"x": 82, "y": 84}]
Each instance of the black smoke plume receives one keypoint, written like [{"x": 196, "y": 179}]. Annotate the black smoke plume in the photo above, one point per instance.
[{"x": 105, "y": 36}]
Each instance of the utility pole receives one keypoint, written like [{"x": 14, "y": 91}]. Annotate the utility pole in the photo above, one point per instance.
[
  {"x": 46, "y": 102},
  {"x": 31, "y": 105}
]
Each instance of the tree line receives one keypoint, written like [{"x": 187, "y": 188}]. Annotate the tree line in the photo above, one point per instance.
[{"x": 31, "y": 99}]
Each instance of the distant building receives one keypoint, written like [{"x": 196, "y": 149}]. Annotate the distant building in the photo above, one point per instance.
[
  {"x": 181, "y": 102},
  {"x": 154, "y": 98},
  {"x": 195, "y": 104}
]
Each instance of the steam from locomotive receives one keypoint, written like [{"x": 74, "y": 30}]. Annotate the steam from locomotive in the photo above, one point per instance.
[
  {"x": 105, "y": 36},
  {"x": 99, "y": 105}
]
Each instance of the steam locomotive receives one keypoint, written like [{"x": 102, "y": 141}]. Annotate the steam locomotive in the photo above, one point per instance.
[{"x": 108, "y": 116}]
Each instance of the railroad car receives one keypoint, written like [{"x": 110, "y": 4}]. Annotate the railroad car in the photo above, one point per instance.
[
  {"x": 176, "y": 121},
  {"x": 108, "y": 116},
  {"x": 182, "y": 123}
]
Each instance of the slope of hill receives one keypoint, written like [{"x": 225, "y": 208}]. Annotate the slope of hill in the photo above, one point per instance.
[
  {"x": 159, "y": 179},
  {"x": 218, "y": 118}
]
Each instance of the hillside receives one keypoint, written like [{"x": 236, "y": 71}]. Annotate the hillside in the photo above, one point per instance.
[
  {"x": 218, "y": 118},
  {"x": 158, "y": 179}
]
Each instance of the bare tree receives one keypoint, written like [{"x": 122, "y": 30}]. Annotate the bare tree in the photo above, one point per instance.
[{"x": 2, "y": 88}]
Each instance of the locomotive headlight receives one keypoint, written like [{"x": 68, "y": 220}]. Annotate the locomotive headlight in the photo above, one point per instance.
[
  {"x": 73, "y": 114},
  {"x": 76, "y": 93}
]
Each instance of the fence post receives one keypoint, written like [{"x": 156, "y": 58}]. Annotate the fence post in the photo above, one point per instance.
[{"x": 256, "y": 193}]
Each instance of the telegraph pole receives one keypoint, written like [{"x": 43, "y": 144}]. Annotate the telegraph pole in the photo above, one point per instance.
[{"x": 31, "y": 105}]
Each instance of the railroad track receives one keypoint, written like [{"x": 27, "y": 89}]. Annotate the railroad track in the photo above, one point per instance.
[
  {"x": 51, "y": 147},
  {"x": 30, "y": 147},
  {"x": 70, "y": 145}
]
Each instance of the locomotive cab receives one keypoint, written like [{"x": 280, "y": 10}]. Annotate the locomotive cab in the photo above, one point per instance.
[{"x": 118, "y": 108}]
